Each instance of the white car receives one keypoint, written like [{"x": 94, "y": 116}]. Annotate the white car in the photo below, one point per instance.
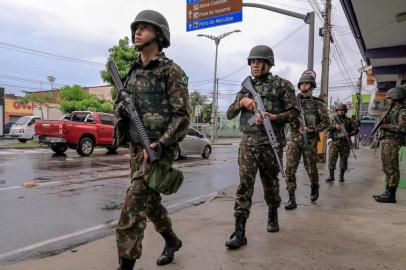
[
  {"x": 193, "y": 144},
  {"x": 23, "y": 128}
]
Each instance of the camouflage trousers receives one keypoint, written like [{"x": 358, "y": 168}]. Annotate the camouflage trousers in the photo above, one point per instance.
[
  {"x": 252, "y": 158},
  {"x": 140, "y": 202},
  {"x": 294, "y": 152},
  {"x": 338, "y": 147},
  {"x": 390, "y": 161}
]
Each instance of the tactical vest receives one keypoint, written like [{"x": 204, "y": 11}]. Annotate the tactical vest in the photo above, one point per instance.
[
  {"x": 148, "y": 92},
  {"x": 336, "y": 133},
  {"x": 310, "y": 112},
  {"x": 272, "y": 103},
  {"x": 392, "y": 118}
]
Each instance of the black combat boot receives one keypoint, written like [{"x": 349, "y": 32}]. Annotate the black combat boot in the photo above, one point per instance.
[
  {"x": 273, "y": 225},
  {"x": 172, "y": 244},
  {"x": 314, "y": 194},
  {"x": 342, "y": 171},
  {"x": 389, "y": 196},
  {"x": 125, "y": 264},
  {"x": 292, "y": 200},
  {"x": 237, "y": 238},
  {"x": 384, "y": 193},
  {"x": 330, "y": 179}
]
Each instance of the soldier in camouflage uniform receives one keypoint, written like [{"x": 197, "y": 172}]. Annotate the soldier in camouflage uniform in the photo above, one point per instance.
[
  {"x": 393, "y": 137},
  {"x": 316, "y": 120},
  {"x": 255, "y": 152},
  {"x": 339, "y": 144},
  {"x": 158, "y": 88}
]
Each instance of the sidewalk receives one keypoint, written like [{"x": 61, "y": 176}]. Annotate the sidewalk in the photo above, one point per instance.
[
  {"x": 227, "y": 141},
  {"x": 346, "y": 229}
]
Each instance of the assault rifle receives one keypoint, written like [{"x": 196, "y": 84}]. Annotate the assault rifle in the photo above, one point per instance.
[
  {"x": 302, "y": 121},
  {"x": 346, "y": 135},
  {"x": 375, "y": 129},
  {"x": 260, "y": 108},
  {"x": 131, "y": 110}
]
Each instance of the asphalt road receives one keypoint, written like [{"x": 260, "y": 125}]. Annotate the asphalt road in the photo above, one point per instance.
[{"x": 50, "y": 203}]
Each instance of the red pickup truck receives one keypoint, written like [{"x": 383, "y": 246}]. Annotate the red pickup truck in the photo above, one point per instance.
[{"x": 81, "y": 130}]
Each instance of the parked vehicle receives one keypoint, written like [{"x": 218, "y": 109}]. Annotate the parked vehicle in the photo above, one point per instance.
[
  {"x": 23, "y": 128},
  {"x": 194, "y": 143},
  {"x": 6, "y": 128},
  {"x": 83, "y": 132}
]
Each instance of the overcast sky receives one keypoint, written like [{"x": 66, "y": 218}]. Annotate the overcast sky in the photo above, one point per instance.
[{"x": 87, "y": 29}]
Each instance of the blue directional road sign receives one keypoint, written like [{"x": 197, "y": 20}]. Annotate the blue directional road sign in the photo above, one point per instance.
[{"x": 202, "y": 14}]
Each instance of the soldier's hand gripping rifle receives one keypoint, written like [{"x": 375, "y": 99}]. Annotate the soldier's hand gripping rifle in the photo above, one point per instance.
[
  {"x": 377, "y": 126},
  {"x": 302, "y": 121},
  {"x": 247, "y": 84},
  {"x": 131, "y": 110},
  {"x": 346, "y": 135}
]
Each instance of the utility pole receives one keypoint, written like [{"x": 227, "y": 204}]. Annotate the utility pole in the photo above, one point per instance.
[
  {"x": 359, "y": 101},
  {"x": 215, "y": 83},
  {"x": 325, "y": 63}
]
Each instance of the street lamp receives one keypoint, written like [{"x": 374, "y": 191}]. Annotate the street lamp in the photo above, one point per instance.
[
  {"x": 214, "y": 103},
  {"x": 51, "y": 80}
]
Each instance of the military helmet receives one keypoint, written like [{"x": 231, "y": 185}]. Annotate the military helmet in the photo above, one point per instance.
[
  {"x": 157, "y": 20},
  {"x": 262, "y": 52},
  {"x": 307, "y": 78},
  {"x": 341, "y": 106},
  {"x": 396, "y": 93}
]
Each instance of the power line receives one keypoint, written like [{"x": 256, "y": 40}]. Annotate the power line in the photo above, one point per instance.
[
  {"x": 59, "y": 57},
  {"x": 273, "y": 46}
]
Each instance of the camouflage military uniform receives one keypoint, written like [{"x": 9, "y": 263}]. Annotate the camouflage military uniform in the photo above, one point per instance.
[
  {"x": 339, "y": 145},
  {"x": 393, "y": 137},
  {"x": 255, "y": 151},
  {"x": 316, "y": 117},
  {"x": 159, "y": 90}
]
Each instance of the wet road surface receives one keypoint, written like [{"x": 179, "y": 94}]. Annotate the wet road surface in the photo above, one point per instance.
[{"x": 76, "y": 199}]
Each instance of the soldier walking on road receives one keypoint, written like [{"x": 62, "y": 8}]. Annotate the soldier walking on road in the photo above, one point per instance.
[
  {"x": 393, "y": 137},
  {"x": 255, "y": 152},
  {"x": 315, "y": 120},
  {"x": 158, "y": 88},
  {"x": 340, "y": 145}
]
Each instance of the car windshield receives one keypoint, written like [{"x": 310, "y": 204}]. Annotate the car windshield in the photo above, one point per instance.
[{"x": 22, "y": 120}]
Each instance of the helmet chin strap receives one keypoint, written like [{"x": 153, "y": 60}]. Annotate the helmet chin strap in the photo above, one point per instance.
[{"x": 146, "y": 44}]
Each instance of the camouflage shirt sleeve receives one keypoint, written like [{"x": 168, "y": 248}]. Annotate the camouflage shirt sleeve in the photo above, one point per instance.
[
  {"x": 235, "y": 108},
  {"x": 401, "y": 124},
  {"x": 290, "y": 104},
  {"x": 177, "y": 88},
  {"x": 324, "y": 118}
]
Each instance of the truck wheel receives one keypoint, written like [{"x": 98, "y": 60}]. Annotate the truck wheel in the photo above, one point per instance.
[
  {"x": 59, "y": 149},
  {"x": 206, "y": 151},
  {"x": 85, "y": 147},
  {"x": 22, "y": 140}
]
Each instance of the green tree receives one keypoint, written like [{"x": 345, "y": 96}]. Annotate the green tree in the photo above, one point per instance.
[
  {"x": 124, "y": 55},
  {"x": 196, "y": 98},
  {"x": 38, "y": 98},
  {"x": 74, "y": 98}
]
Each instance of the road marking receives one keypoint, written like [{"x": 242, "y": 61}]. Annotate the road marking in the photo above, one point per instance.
[{"x": 92, "y": 229}]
